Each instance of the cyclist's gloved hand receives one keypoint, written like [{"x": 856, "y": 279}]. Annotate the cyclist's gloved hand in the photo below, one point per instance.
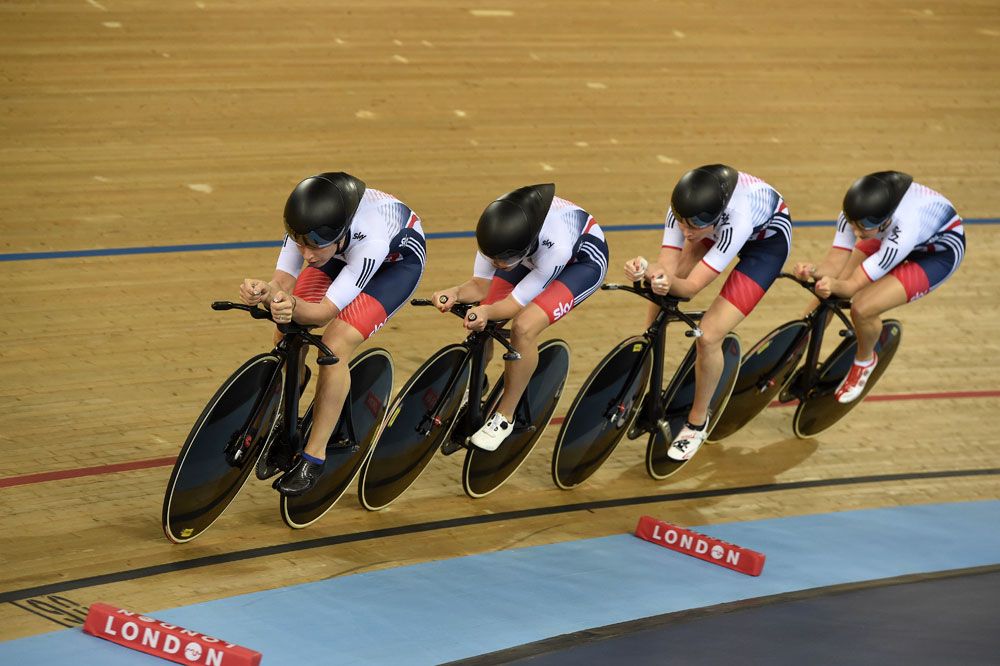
[
  {"x": 658, "y": 280},
  {"x": 635, "y": 268},
  {"x": 254, "y": 291},
  {"x": 282, "y": 307},
  {"x": 443, "y": 300},
  {"x": 476, "y": 318},
  {"x": 824, "y": 287},
  {"x": 804, "y": 270}
]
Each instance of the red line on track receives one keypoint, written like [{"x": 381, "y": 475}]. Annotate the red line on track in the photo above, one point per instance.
[
  {"x": 85, "y": 471},
  {"x": 890, "y": 397},
  {"x": 57, "y": 475}
]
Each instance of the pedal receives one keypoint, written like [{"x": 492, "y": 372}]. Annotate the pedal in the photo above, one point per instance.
[
  {"x": 449, "y": 446},
  {"x": 341, "y": 446},
  {"x": 793, "y": 390},
  {"x": 663, "y": 426},
  {"x": 276, "y": 458},
  {"x": 639, "y": 427},
  {"x": 520, "y": 427},
  {"x": 637, "y": 430}
]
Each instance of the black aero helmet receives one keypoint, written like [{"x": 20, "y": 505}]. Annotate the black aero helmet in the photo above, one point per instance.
[
  {"x": 872, "y": 199},
  {"x": 509, "y": 227},
  {"x": 702, "y": 194},
  {"x": 320, "y": 208}
]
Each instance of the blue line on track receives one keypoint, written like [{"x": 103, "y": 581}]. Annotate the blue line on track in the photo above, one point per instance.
[{"x": 439, "y": 235}]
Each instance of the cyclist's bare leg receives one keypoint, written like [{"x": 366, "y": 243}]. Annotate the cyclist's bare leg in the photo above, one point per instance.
[
  {"x": 333, "y": 385},
  {"x": 867, "y": 307},
  {"x": 525, "y": 329},
  {"x": 721, "y": 318}
]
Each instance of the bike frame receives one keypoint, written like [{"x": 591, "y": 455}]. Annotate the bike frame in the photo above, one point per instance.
[
  {"x": 295, "y": 339},
  {"x": 656, "y": 335},
  {"x": 476, "y": 351},
  {"x": 817, "y": 321}
]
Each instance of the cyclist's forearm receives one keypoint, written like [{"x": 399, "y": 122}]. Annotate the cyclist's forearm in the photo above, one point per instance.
[
  {"x": 281, "y": 281},
  {"x": 669, "y": 259},
  {"x": 314, "y": 314},
  {"x": 473, "y": 290},
  {"x": 833, "y": 263},
  {"x": 505, "y": 309}
]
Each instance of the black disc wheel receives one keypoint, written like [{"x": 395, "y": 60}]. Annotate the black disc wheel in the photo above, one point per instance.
[
  {"x": 222, "y": 448},
  {"x": 679, "y": 397},
  {"x": 764, "y": 370},
  {"x": 485, "y": 471},
  {"x": 819, "y": 409},
  {"x": 601, "y": 413},
  {"x": 408, "y": 440},
  {"x": 371, "y": 386}
]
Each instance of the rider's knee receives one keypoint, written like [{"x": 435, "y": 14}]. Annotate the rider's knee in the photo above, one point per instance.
[
  {"x": 342, "y": 339},
  {"x": 524, "y": 328},
  {"x": 710, "y": 340},
  {"x": 861, "y": 308}
]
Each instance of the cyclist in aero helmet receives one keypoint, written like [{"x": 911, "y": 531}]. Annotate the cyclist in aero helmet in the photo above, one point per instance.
[
  {"x": 896, "y": 241},
  {"x": 539, "y": 257},
  {"x": 364, "y": 253},
  {"x": 716, "y": 214}
]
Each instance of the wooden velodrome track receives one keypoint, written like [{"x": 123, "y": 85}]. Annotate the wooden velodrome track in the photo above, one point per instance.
[{"x": 156, "y": 124}]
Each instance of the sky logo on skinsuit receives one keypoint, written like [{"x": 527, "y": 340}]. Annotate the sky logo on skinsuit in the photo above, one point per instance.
[
  {"x": 548, "y": 243},
  {"x": 562, "y": 309}
]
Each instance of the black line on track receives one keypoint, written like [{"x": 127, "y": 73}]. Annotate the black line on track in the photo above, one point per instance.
[
  {"x": 43, "y": 615},
  {"x": 466, "y": 521},
  {"x": 597, "y": 634}
]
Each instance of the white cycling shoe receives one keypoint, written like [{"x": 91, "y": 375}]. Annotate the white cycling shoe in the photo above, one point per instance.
[
  {"x": 686, "y": 443},
  {"x": 493, "y": 433}
]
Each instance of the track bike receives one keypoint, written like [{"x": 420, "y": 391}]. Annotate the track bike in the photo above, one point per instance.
[
  {"x": 257, "y": 408},
  {"x": 446, "y": 401},
  {"x": 771, "y": 368},
  {"x": 624, "y": 395}
]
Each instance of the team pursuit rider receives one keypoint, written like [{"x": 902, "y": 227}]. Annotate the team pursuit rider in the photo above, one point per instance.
[
  {"x": 364, "y": 253},
  {"x": 896, "y": 241},
  {"x": 539, "y": 257},
  {"x": 716, "y": 214}
]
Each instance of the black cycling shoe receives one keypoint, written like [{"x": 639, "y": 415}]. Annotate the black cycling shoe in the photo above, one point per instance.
[{"x": 300, "y": 479}]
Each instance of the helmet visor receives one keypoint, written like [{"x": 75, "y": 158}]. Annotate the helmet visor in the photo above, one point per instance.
[
  {"x": 316, "y": 238},
  {"x": 868, "y": 223},
  {"x": 699, "y": 221},
  {"x": 509, "y": 258}
]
